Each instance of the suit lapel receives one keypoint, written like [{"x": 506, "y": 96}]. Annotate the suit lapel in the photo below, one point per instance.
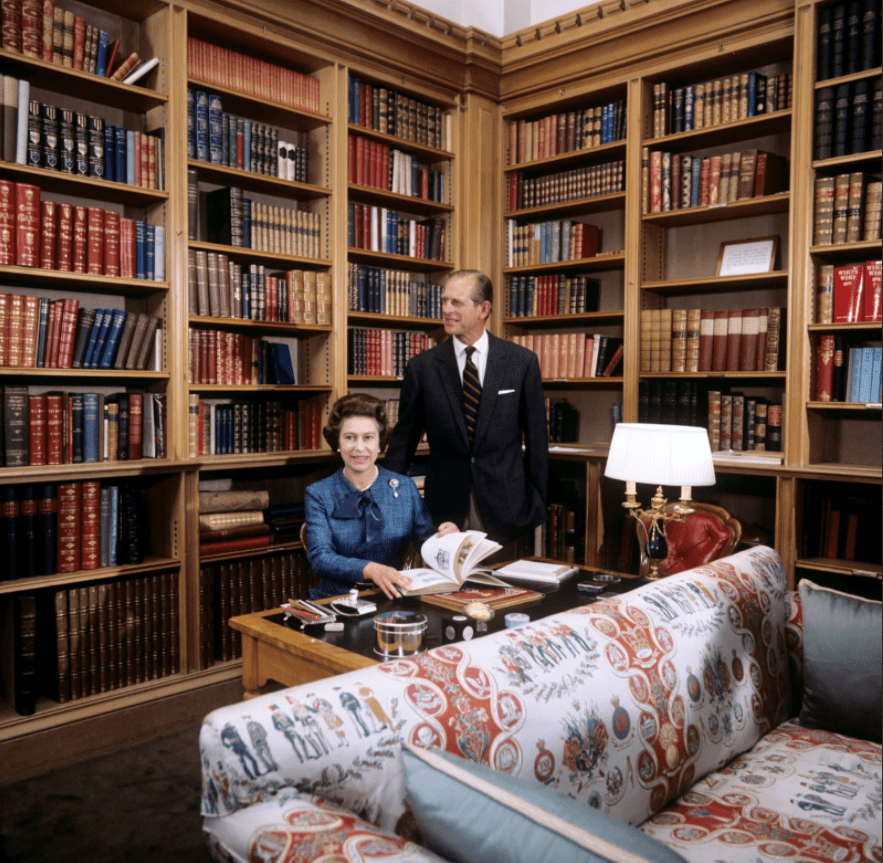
[
  {"x": 493, "y": 377},
  {"x": 452, "y": 386}
]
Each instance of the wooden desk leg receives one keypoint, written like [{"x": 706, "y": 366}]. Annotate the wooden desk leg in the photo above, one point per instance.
[{"x": 252, "y": 682}]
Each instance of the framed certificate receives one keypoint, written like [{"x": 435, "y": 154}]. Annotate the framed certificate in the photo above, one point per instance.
[{"x": 746, "y": 257}]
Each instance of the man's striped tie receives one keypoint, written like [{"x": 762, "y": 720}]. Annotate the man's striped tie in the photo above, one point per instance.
[{"x": 471, "y": 393}]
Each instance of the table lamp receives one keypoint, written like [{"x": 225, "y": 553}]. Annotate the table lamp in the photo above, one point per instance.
[{"x": 661, "y": 455}]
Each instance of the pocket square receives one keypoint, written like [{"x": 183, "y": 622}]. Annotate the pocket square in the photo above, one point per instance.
[{"x": 505, "y": 392}]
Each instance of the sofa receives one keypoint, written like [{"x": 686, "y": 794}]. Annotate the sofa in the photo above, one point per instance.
[{"x": 710, "y": 716}]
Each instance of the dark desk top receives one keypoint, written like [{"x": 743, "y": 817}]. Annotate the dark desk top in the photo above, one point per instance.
[{"x": 358, "y": 633}]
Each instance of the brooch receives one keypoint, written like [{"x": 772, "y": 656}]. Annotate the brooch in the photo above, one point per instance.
[{"x": 394, "y": 485}]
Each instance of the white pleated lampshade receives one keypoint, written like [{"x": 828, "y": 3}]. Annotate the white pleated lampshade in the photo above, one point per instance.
[{"x": 660, "y": 455}]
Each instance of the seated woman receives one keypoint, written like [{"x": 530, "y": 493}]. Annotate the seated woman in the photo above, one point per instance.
[{"x": 361, "y": 519}]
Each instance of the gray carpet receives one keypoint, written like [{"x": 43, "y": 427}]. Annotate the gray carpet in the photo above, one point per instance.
[{"x": 136, "y": 805}]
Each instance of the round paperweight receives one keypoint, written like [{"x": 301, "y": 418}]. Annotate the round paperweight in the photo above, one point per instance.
[
  {"x": 399, "y": 633},
  {"x": 480, "y": 613}
]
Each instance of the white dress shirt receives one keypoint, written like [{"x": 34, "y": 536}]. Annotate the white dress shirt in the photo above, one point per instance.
[{"x": 479, "y": 357}]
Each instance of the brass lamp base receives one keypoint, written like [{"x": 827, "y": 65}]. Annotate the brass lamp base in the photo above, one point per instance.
[{"x": 651, "y": 527}]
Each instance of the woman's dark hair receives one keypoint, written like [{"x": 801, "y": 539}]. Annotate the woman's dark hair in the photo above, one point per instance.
[{"x": 356, "y": 405}]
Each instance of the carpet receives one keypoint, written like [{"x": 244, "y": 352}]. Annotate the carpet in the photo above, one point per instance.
[{"x": 136, "y": 805}]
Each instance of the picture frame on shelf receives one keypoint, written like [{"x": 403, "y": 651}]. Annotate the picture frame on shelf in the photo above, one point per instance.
[{"x": 747, "y": 257}]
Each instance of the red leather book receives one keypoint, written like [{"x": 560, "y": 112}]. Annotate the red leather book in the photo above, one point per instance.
[
  {"x": 48, "y": 216},
  {"x": 141, "y": 167},
  {"x": 136, "y": 418},
  {"x": 706, "y": 340},
  {"x": 36, "y": 429},
  {"x": 29, "y": 322},
  {"x": 12, "y": 25},
  {"x": 734, "y": 339},
  {"x": 27, "y": 225},
  {"x": 4, "y": 342},
  {"x": 7, "y": 222},
  {"x": 111, "y": 243},
  {"x": 79, "y": 41},
  {"x": 767, "y": 174},
  {"x": 111, "y": 57},
  {"x": 384, "y": 179},
  {"x": 231, "y": 545},
  {"x": 748, "y": 352},
  {"x": 54, "y": 431},
  {"x": 32, "y": 28},
  {"x": 48, "y": 13},
  {"x": 824, "y": 368},
  {"x": 704, "y": 182},
  {"x": 55, "y": 308},
  {"x": 588, "y": 243},
  {"x": 64, "y": 237},
  {"x": 78, "y": 249},
  {"x": 714, "y": 180},
  {"x": 90, "y": 525},
  {"x": 848, "y": 289},
  {"x": 95, "y": 242},
  {"x": 67, "y": 332},
  {"x": 211, "y": 358},
  {"x": 873, "y": 293},
  {"x": 719, "y": 344},
  {"x": 69, "y": 526},
  {"x": 655, "y": 181},
  {"x": 351, "y": 146},
  {"x": 14, "y": 322},
  {"x": 675, "y": 182},
  {"x": 127, "y": 248}
]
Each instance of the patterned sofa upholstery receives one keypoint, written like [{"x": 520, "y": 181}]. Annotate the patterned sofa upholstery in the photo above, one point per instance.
[{"x": 667, "y": 708}]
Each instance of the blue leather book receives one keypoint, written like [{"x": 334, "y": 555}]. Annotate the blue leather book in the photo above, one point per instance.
[
  {"x": 130, "y": 157},
  {"x": 864, "y": 387},
  {"x": 101, "y": 54},
  {"x": 103, "y": 526},
  {"x": 121, "y": 138},
  {"x": 25, "y": 531},
  {"x": 246, "y": 146},
  {"x": 191, "y": 123},
  {"x": 876, "y": 371},
  {"x": 93, "y": 418},
  {"x": 113, "y": 531},
  {"x": 283, "y": 369},
  {"x": 246, "y": 222},
  {"x": 215, "y": 127},
  {"x": 111, "y": 343},
  {"x": 202, "y": 133},
  {"x": 149, "y": 252},
  {"x": 100, "y": 341},
  {"x": 97, "y": 324},
  {"x": 110, "y": 152},
  {"x": 76, "y": 419},
  {"x": 46, "y": 530},
  {"x": 140, "y": 250},
  {"x": 123, "y": 428},
  {"x": 42, "y": 330}
]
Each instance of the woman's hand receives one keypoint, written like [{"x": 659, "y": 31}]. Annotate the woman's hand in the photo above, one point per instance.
[
  {"x": 389, "y": 580},
  {"x": 447, "y": 527}
]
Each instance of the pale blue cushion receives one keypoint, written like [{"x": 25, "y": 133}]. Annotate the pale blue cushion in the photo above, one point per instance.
[
  {"x": 842, "y": 660},
  {"x": 467, "y": 812}
]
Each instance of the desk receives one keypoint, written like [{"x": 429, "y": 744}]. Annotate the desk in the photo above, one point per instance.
[{"x": 275, "y": 650}]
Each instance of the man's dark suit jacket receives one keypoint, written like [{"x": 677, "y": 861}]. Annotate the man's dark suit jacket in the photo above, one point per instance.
[{"x": 510, "y": 486}]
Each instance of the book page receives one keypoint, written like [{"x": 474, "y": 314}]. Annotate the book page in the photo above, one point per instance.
[{"x": 454, "y": 555}]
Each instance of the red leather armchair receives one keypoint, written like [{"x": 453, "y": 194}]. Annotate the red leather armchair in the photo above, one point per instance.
[{"x": 707, "y": 534}]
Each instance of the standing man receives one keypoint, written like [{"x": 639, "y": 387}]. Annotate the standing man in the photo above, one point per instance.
[{"x": 477, "y": 397}]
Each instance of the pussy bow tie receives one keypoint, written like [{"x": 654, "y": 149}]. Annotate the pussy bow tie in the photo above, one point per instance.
[{"x": 363, "y": 506}]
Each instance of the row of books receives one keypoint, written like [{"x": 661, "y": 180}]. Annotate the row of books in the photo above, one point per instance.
[
  {"x": 848, "y": 39},
  {"x": 77, "y": 642},
  {"x": 550, "y": 242},
  {"x": 554, "y": 134},
  {"x": 220, "y": 138},
  {"x": 238, "y": 519},
  {"x": 847, "y": 209},
  {"x": 846, "y": 374},
  {"x": 574, "y": 355},
  {"x": 840, "y": 523},
  {"x": 849, "y": 118},
  {"x": 378, "y": 229},
  {"x": 67, "y": 527},
  {"x": 563, "y": 420},
  {"x": 41, "y": 135},
  {"x": 370, "y": 163},
  {"x": 560, "y": 294},
  {"x": 391, "y": 112},
  {"x": 587, "y": 181},
  {"x": 376, "y": 352},
  {"x": 721, "y": 100},
  {"x": 235, "y": 220},
  {"x": 261, "y": 424},
  {"x": 58, "y": 334},
  {"x": 72, "y": 238},
  {"x": 392, "y": 292},
  {"x": 219, "y": 357},
  {"x": 253, "y": 77},
  {"x": 245, "y": 586},
  {"x": 849, "y": 293},
  {"x": 55, "y": 428},
  {"x": 41, "y": 29},
  {"x": 706, "y": 340},
  {"x": 220, "y": 287},
  {"x": 675, "y": 182},
  {"x": 238, "y": 428}
]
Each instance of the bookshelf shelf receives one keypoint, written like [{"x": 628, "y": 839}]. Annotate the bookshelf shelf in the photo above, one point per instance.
[
  {"x": 374, "y": 379},
  {"x": 846, "y": 251},
  {"x": 405, "y": 203},
  {"x": 255, "y": 255},
  {"x": 272, "y": 112},
  {"x": 587, "y": 156},
  {"x": 718, "y": 284},
  {"x": 750, "y": 207},
  {"x": 429, "y": 153},
  {"x": 82, "y": 85},
  {"x": 252, "y": 180},
  {"x": 404, "y": 262},
  {"x": 611, "y": 316},
  {"x": 760, "y": 375},
  {"x": 725, "y": 133},
  {"x": 261, "y": 551},
  {"x": 247, "y": 461},
  {"x": 396, "y": 321},
  {"x": 600, "y": 381},
  {"x": 595, "y": 204},
  {"x": 859, "y": 327},
  {"x": 88, "y": 187},
  {"x": 85, "y": 282},
  {"x": 868, "y": 161},
  {"x": 844, "y": 406},
  {"x": 98, "y": 377},
  {"x": 259, "y": 388},
  {"x": 611, "y": 261},
  {"x": 279, "y": 327},
  {"x": 842, "y": 567},
  {"x": 848, "y": 79},
  {"x": 87, "y": 470}
]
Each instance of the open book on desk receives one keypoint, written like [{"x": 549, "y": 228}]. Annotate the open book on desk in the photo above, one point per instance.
[{"x": 451, "y": 560}]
